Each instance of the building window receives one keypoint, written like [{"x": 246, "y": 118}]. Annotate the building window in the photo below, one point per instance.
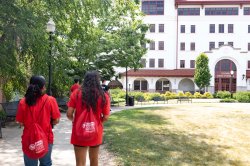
[
  {"x": 153, "y": 7},
  {"x": 161, "y": 45},
  {"x": 230, "y": 28},
  {"x": 152, "y": 28},
  {"x": 162, "y": 85},
  {"x": 248, "y": 46},
  {"x": 192, "y": 64},
  {"x": 152, "y": 63},
  {"x": 248, "y": 64},
  {"x": 182, "y": 64},
  {"x": 246, "y": 10},
  {"x": 140, "y": 85},
  {"x": 211, "y": 45},
  {"x": 212, "y": 28},
  {"x": 152, "y": 45},
  {"x": 143, "y": 62},
  {"x": 192, "y": 28},
  {"x": 160, "y": 63},
  {"x": 182, "y": 28},
  {"x": 182, "y": 46},
  {"x": 221, "y": 28},
  {"x": 188, "y": 11},
  {"x": 161, "y": 28},
  {"x": 231, "y": 44},
  {"x": 222, "y": 11},
  {"x": 192, "y": 46},
  {"x": 221, "y": 44},
  {"x": 248, "y": 28}
]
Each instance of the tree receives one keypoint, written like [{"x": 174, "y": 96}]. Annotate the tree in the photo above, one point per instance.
[
  {"x": 90, "y": 35},
  {"x": 202, "y": 74}
]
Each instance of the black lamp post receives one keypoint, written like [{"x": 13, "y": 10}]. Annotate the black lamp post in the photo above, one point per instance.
[
  {"x": 126, "y": 85},
  {"x": 51, "y": 27},
  {"x": 231, "y": 82}
]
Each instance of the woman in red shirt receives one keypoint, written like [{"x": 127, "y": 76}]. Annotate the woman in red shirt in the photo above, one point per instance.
[
  {"x": 90, "y": 97},
  {"x": 43, "y": 108}
]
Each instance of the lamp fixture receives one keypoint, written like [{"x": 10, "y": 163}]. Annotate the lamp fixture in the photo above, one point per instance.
[{"x": 243, "y": 76}]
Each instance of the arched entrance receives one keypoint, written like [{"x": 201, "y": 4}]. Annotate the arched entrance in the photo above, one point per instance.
[
  {"x": 186, "y": 85},
  {"x": 224, "y": 80}
]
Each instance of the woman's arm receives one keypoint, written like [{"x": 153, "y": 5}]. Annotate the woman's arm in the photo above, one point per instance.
[
  {"x": 70, "y": 113},
  {"x": 105, "y": 118}
]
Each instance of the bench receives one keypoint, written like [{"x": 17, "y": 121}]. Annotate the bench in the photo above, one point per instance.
[
  {"x": 62, "y": 104},
  {"x": 157, "y": 99},
  {"x": 184, "y": 98},
  {"x": 10, "y": 110}
]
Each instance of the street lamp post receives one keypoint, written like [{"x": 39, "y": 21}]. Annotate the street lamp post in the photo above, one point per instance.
[
  {"x": 231, "y": 82},
  {"x": 51, "y": 27},
  {"x": 126, "y": 85}
]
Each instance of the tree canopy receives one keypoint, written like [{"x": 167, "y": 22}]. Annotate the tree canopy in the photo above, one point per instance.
[
  {"x": 90, "y": 35},
  {"x": 202, "y": 74}
]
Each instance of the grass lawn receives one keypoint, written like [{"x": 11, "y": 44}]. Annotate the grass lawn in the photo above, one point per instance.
[{"x": 185, "y": 134}]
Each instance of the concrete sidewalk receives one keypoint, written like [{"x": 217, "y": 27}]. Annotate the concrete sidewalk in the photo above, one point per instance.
[{"x": 63, "y": 154}]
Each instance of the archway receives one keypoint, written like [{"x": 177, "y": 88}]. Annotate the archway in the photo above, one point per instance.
[
  {"x": 186, "y": 85},
  {"x": 224, "y": 80}
]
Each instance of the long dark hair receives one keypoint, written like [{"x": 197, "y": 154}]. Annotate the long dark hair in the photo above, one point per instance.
[
  {"x": 34, "y": 90},
  {"x": 91, "y": 90}
]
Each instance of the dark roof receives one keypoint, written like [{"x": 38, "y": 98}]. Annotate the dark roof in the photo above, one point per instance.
[
  {"x": 115, "y": 84},
  {"x": 211, "y": 2},
  {"x": 160, "y": 73}
]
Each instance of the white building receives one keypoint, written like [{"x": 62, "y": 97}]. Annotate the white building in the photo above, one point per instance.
[{"x": 181, "y": 30}]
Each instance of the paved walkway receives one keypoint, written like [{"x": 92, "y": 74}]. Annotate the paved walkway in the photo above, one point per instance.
[{"x": 63, "y": 154}]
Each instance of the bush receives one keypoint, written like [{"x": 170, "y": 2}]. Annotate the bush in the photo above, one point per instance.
[
  {"x": 139, "y": 96},
  {"x": 207, "y": 95},
  {"x": 2, "y": 114},
  {"x": 188, "y": 94},
  {"x": 227, "y": 100},
  {"x": 197, "y": 95},
  {"x": 223, "y": 94},
  {"x": 243, "y": 97},
  {"x": 117, "y": 93},
  {"x": 180, "y": 94},
  {"x": 170, "y": 95}
]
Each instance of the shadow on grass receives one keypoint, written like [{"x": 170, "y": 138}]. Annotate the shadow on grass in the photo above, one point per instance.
[{"x": 140, "y": 137}]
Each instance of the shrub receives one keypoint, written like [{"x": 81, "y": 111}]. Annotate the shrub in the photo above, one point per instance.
[
  {"x": 243, "y": 97},
  {"x": 170, "y": 95},
  {"x": 188, "y": 94},
  {"x": 197, "y": 95},
  {"x": 227, "y": 100},
  {"x": 117, "y": 93},
  {"x": 180, "y": 94},
  {"x": 138, "y": 96},
  {"x": 2, "y": 114},
  {"x": 207, "y": 95},
  {"x": 223, "y": 94}
]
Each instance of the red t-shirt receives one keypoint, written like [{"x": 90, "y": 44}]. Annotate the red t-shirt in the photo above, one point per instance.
[
  {"x": 76, "y": 103},
  {"x": 74, "y": 87},
  {"x": 50, "y": 110}
]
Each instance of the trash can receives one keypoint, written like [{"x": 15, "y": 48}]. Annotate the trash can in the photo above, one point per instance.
[{"x": 131, "y": 101}]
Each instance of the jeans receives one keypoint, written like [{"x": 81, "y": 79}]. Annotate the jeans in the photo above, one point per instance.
[{"x": 45, "y": 161}]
